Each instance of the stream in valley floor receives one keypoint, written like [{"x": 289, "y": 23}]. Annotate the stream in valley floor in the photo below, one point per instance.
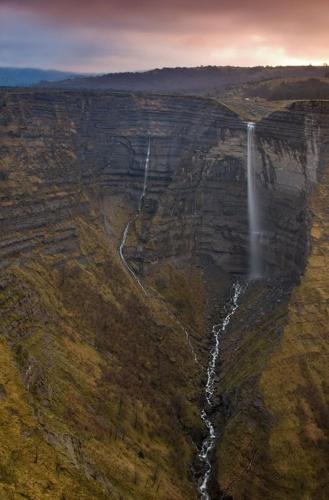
[{"x": 207, "y": 415}]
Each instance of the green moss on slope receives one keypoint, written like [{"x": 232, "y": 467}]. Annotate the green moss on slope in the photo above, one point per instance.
[
  {"x": 294, "y": 384},
  {"x": 98, "y": 382},
  {"x": 274, "y": 424}
]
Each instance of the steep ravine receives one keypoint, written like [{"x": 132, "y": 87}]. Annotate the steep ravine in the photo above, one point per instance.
[
  {"x": 100, "y": 387},
  {"x": 250, "y": 461},
  {"x": 204, "y": 456}
]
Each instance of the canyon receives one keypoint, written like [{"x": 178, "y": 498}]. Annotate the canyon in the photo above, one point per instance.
[{"x": 124, "y": 225}]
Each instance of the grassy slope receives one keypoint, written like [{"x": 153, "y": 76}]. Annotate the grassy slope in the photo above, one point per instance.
[
  {"x": 98, "y": 382},
  {"x": 252, "y": 109},
  {"x": 108, "y": 386},
  {"x": 254, "y": 335},
  {"x": 99, "y": 386},
  {"x": 275, "y": 373},
  {"x": 295, "y": 383}
]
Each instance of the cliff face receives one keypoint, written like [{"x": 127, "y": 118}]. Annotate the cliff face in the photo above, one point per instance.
[
  {"x": 272, "y": 381},
  {"x": 98, "y": 381},
  {"x": 102, "y": 379},
  {"x": 196, "y": 192}
]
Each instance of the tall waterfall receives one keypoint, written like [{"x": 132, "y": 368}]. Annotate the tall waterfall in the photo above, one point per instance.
[
  {"x": 207, "y": 413},
  {"x": 255, "y": 264}
]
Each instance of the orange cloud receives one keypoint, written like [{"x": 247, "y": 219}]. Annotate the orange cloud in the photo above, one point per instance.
[{"x": 139, "y": 34}]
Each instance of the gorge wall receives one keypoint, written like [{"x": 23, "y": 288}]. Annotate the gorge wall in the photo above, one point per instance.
[
  {"x": 96, "y": 143},
  {"x": 100, "y": 387},
  {"x": 274, "y": 431}
]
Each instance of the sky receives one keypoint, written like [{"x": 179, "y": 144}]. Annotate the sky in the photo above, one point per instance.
[{"x": 131, "y": 35}]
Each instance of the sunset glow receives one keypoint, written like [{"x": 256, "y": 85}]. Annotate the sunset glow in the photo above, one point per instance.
[{"x": 104, "y": 36}]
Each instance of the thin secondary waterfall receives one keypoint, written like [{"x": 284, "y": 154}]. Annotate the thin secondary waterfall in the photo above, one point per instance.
[
  {"x": 255, "y": 264},
  {"x": 124, "y": 240},
  {"x": 146, "y": 173},
  {"x": 205, "y": 453},
  {"x": 135, "y": 217}
]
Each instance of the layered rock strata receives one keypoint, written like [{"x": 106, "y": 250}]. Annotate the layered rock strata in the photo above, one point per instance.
[{"x": 71, "y": 176}]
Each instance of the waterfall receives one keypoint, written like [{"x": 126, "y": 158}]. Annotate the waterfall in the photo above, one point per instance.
[
  {"x": 134, "y": 218},
  {"x": 255, "y": 264},
  {"x": 146, "y": 172},
  {"x": 209, "y": 442}
]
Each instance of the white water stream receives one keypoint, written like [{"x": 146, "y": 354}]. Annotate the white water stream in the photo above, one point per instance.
[
  {"x": 255, "y": 264},
  {"x": 210, "y": 440},
  {"x": 124, "y": 240},
  {"x": 135, "y": 217}
]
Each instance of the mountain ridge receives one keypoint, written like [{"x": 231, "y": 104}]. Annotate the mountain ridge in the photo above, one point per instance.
[
  {"x": 192, "y": 79},
  {"x": 27, "y": 77}
]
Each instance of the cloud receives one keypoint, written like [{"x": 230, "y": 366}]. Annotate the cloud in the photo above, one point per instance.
[{"x": 107, "y": 35}]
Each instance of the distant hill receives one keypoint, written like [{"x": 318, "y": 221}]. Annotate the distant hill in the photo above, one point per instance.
[
  {"x": 199, "y": 79},
  {"x": 26, "y": 77}
]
